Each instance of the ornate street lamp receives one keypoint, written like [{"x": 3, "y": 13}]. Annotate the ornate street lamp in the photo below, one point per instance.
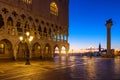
[{"x": 27, "y": 40}]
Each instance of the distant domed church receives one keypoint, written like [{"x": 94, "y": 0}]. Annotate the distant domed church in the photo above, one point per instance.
[{"x": 35, "y": 27}]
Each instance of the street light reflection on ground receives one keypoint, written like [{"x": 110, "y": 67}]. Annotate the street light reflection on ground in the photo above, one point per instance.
[{"x": 26, "y": 40}]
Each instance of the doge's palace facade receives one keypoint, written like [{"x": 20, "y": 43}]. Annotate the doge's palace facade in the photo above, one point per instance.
[{"x": 46, "y": 21}]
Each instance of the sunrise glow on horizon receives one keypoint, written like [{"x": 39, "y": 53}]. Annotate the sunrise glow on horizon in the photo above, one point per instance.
[{"x": 87, "y": 20}]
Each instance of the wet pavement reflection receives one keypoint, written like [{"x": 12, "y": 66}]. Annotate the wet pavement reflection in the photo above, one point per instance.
[{"x": 64, "y": 68}]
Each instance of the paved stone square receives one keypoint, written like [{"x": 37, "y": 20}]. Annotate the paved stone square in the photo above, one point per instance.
[{"x": 72, "y": 68}]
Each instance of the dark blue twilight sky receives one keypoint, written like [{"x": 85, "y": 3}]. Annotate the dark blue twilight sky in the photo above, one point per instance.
[{"x": 87, "y": 20}]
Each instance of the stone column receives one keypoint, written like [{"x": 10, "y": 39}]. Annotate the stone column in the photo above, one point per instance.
[
  {"x": 15, "y": 51},
  {"x": 15, "y": 54},
  {"x": 52, "y": 53},
  {"x": 60, "y": 37},
  {"x": 108, "y": 25},
  {"x": 108, "y": 40},
  {"x": 42, "y": 51},
  {"x": 30, "y": 52},
  {"x": 56, "y": 36},
  {"x": 60, "y": 52},
  {"x": 67, "y": 54},
  {"x": 63, "y": 37}
]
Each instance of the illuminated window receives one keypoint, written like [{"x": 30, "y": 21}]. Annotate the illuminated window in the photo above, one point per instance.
[
  {"x": 39, "y": 47},
  {"x": 53, "y": 8},
  {"x": 2, "y": 48},
  {"x": 27, "y": 1},
  {"x": 46, "y": 49}
]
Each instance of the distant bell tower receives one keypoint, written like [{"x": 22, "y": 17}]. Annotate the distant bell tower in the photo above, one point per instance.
[
  {"x": 99, "y": 48},
  {"x": 108, "y": 24}
]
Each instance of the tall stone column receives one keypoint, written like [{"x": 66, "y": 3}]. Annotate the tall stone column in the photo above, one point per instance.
[
  {"x": 60, "y": 55},
  {"x": 15, "y": 51},
  {"x": 67, "y": 51},
  {"x": 42, "y": 52},
  {"x": 52, "y": 53},
  {"x": 108, "y": 25},
  {"x": 108, "y": 40},
  {"x": 15, "y": 54},
  {"x": 30, "y": 52}
]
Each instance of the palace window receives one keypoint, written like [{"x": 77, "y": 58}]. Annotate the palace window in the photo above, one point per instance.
[
  {"x": 1, "y": 21},
  {"x": 11, "y": 29},
  {"x": 10, "y": 22},
  {"x": 45, "y": 30},
  {"x": 27, "y": 1},
  {"x": 39, "y": 29},
  {"x": 26, "y": 27},
  {"x": 54, "y": 8},
  {"x": 19, "y": 28}
]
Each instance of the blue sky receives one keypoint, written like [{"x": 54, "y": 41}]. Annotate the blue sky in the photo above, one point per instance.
[{"x": 87, "y": 20}]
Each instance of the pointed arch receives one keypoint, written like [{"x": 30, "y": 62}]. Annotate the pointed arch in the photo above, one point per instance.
[
  {"x": 1, "y": 21},
  {"x": 18, "y": 24},
  {"x": 47, "y": 51},
  {"x": 36, "y": 51},
  {"x": 49, "y": 31},
  {"x": 23, "y": 50},
  {"x": 39, "y": 29},
  {"x": 45, "y": 30},
  {"x": 56, "y": 50},
  {"x": 19, "y": 28},
  {"x": 10, "y": 21},
  {"x": 11, "y": 28},
  {"x": 23, "y": 16},
  {"x": 63, "y": 50},
  {"x": 65, "y": 37},
  {"x": 6, "y": 49},
  {"x": 34, "y": 27},
  {"x": 26, "y": 26}
]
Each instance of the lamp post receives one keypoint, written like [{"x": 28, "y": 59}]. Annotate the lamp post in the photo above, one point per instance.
[{"x": 26, "y": 39}]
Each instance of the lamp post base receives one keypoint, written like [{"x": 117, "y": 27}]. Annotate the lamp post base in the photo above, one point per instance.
[
  {"x": 108, "y": 56},
  {"x": 27, "y": 62}
]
